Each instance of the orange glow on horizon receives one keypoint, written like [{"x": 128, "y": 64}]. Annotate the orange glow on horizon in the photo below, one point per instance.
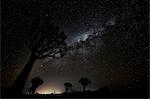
[{"x": 48, "y": 91}]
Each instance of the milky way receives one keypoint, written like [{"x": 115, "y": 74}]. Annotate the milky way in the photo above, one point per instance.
[{"x": 117, "y": 58}]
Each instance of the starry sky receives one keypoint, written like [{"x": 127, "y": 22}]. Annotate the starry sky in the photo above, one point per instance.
[{"x": 119, "y": 59}]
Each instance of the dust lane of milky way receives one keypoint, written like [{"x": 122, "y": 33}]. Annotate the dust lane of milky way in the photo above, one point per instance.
[{"x": 114, "y": 65}]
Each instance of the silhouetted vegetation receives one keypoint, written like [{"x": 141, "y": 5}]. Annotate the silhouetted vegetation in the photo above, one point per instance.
[
  {"x": 84, "y": 82},
  {"x": 68, "y": 87},
  {"x": 44, "y": 40},
  {"x": 101, "y": 92},
  {"x": 126, "y": 41},
  {"x": 35, "y": 83}
]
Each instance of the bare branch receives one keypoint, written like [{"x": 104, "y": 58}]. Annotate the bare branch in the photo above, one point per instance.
[{"x": 47, "y": 41}]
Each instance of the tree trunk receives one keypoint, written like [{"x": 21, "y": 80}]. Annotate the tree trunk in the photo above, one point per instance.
[
  {"x": 66, "y": 90},
  {"x": 83, "y": 89},
  {"x": 19, "y": 83}
]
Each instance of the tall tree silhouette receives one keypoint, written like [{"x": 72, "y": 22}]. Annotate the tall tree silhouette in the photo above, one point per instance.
[
  {"x": 68, "y": 87},
  {"x": 35, "y": 83},
  {"x": 84, "y": 82},
  {"x": 44, "y": 40}
]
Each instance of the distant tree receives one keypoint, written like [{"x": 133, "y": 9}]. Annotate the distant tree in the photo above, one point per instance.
[
  {"x": 84, "y": 82},
  {"x": 68, "y": 87},
  {"x": 35, "y": 83},
  {"x": 44, "y": 40}
]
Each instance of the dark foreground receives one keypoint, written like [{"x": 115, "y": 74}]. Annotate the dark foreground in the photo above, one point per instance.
[{"x": 104, "y": 93}]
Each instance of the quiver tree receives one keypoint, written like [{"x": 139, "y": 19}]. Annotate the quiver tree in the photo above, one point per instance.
[
  {"x": 37, "y": 81},
  {"x": 68, "y": 86},
  {"x": 44, "y": 40},
  {"x": 84, "y": 82}
]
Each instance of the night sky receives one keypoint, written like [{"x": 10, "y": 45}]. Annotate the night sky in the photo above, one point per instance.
[{"x": 119, "y": 59}]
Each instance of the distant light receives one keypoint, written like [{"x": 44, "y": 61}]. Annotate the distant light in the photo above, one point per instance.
[
  {"x": 58, "y": 92},
  {"x": 44, "y": 93},
  {"x": 48, "y": 91}
]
